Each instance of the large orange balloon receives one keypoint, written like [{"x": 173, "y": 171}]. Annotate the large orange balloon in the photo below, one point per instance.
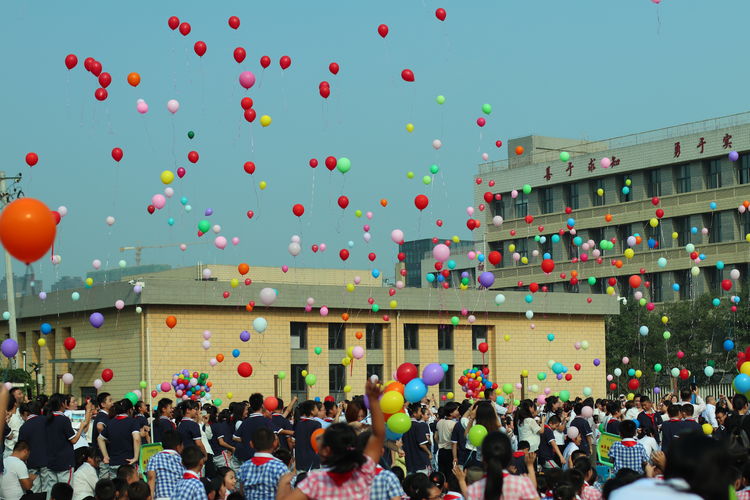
[
  {"x": 27, "y": 229},
  {"x": 171, "y": 321},
  {"x": 315, "y": 438},
  {"x": 134, "y": 79},
  {"x": 243, "y": 269}
]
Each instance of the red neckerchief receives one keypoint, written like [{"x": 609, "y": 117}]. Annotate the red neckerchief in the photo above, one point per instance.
[
  {"x": 612, "y": 420},
  {"x": 628, "y": 442},
  {"x": 168, "y": 420},
  {"x": 303, "y": 419},
  {"x": 262, "y": 459},
  {"x": 378, "y": 469},
  {"x": 674, "y": 420},
  {"x": 277, "y": 414},
  {"x": 652, "y": 417},
  {"x": 518, "y": 454},
  {"x": 689, "y": 420},
  {"x": 121, "y": 417},
  {"x": 188, "y": 474},
  {"x": 547, "y": 427},
  {"x": 328, "y": 419},
  {"x": 340, "y": 478}
]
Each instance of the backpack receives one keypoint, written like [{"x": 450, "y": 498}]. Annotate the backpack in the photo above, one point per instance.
[{"x": 739, "y": 436}]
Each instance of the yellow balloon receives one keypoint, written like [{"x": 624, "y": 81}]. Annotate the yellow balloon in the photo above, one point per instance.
[
  {"x": 745, "y": 368},
  {"x": 600, "y": 192},
  {"x": 524, "y": 260},
  {"x": 393, "y": 304},
  {"x": 707, "y": 429},
  {"x": 512, "y": 247},
  {"x": 347, "y": 388},
  {"x": 456, "y": 239},
  {"x": 630, "y": 396},
  {"x": 675, "y": 236},
  {"x": 747, "y": 237},
  {"x": 346, "y": 361},
  {"x": 392, "y": 402},
  {"x": 664, "y": 319},
  {"x": 610, "y": 290},
  {"x": 409, "y": 175},
  {"x": 350, "y": 351},
  {"x": 638, "y": 374},
  {"x": 230, "y": 395},
  {"x": 350, "y": 287},
  {"x": 410, "y": 127},
  {"x": 653, "y": 222},
  {"x": 167, "y": 177},
  {"x": 506, "y": 337},
  {"x": 629, "y": 253},
  {"x": 463, "y": 287},
  {"x": 524, "y": 373},
  {"x": 265, "y": 120},
  {"x": 304, "y": 373},
  {"x": 450, "y": 395},
  {"x": 234, "y": 282},
  {"x": 41, "y": 342},
  {"x": 89, "y": 281},
  {"x": 262, "y": 185}
]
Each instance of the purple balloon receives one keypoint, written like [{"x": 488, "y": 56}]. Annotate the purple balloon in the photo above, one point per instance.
[
  {"x": 433, "y": 374},
  {"x": 734, "y": 155},
  {"x": 9, "y": 348},
  {"x": 137, "y": 289},
  {"x": 657, "y": 390},
  {"x": 486, "y": 279},
  {"x": 208, "y": 212},
  {"x": 597, "y": 362},
  {"x": 96, "y": 319},
  {"x": 43, "y": 295},
  {"x": 245, "y": 336},
  {"x": 559, "y": 376}
]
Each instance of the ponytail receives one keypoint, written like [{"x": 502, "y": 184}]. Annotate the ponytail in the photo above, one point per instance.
[
  {"x": 496, "y": 454},
  {"x": 54, "y": 403}
]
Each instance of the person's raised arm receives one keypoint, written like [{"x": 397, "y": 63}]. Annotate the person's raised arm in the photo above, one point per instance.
[
  {"x": 290, "y": 407},
  {"x": 374, "y": 448}
]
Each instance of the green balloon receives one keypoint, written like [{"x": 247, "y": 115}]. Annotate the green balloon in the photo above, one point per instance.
[
  {"x": 191, "y": 134},
  {"x": 204, "y": 226},
  {"x": 642, "y": 302},
  {"x": 657, "y": 367},
  {"x": 217, "y": 402},
  {"x": 427, "y": 180},
  {"x": 666, "y": 335},
  {"x": 454, "y": 320},
  {"x": 131, "y": 397},
  {"x": 344, "y": 164},
  {"x": 564, "y": 156},
  {"x": 318, "y": 350},
  {"x": 711, "y": 363},
  {"x": 507, "y": 388},
  {"x": 282, "y": 375},
  {"x": 592, "y": 281},
  {"x": 541, "y": 375},
  {"x": 375, "y": 308},
  {"x": 410, "y": 175},
  {"x": 477, "y": 433},
  {"x": 526, "y": 189},
  {"x": 564, "y": 396},
  {"x": 486, "y": 109},
  {"x": 434, "y": 169},
  {"x": 464, "y": 281},
  {"x": 440, "y": 99},
  {"x": 399, "y": 423},
  {"x": 143, "y": 384},
  {"x": 311, "y": 379}
]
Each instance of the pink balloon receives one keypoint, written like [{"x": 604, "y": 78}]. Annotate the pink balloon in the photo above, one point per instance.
[
  {"x": 322, "y": 247},
  {"x": 284, "y": 268},
  {"x": 514, "y": 194},
  {"x": 308, "y": 308},
  {"x": 368, "y": 215},
  {"x": 441, "y": 252},
  {"x": 119, "y": 305},
  {"x": 541, "y": 399},
  {"x": 324, "y": 311},
  {"x": 605, "y": 162},
  {"x": 609, "y": 378},
  {"x": 183, "y": 247},
  {"x": 96, "y": 264},
  {"x": 625, "y": 360},
  {"x": 158, "y": 201},
  {"x": 470, "y": 319},
  {"x": 547, "y": 390},
  {"x": 358, "y": 352},
  {"x": 142, "y": 107},
  {"x": 485, "y": 156},
  {"x": 470, "y": 211},
  {"x": 247, "y": 79},
  {"x": 220, "y": 242},
  {"x": 357, "y": 280},
  {"x": 235, "y": 241},
  {"x": 471, "y": 255},
  {"x": 165, "y": 387},
  {"x": 173, "y": 105},
  {"x": 397, "y": 236}
]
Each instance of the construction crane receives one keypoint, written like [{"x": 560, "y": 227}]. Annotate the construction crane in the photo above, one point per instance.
[{"x": 139, "y": 248}]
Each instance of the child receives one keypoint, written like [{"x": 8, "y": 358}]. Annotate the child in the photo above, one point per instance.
[
  {"x": 386, "y": 484},
  {"x": 549, "y": 453},
  {"x": 573, "y": 445},
  {"x": 120, "y": 441},
  {"x": 589, "y": 492},
  {"x": 349, "y": 472},
  {"x": 165, "y": 470},
  {"x": 190, "y": 486},
  {"x": 259, "y": 476},
  {"x": 496, "y": 456},
  {"x": 671, "y": 428},
  {"x": 305, "y": 455},
  {"x": 628, "y": 453},
  {"x": 613, "y": 424},
  {"x": 164, "y": 422},
  {"x": 689, "y": 424},
  {"x": 438, "y": 479},
  {"x": 518, "y": 462},
  {"x": 138, "y": 490}
]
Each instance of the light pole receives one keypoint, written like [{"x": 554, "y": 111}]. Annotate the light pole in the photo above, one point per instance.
[{"x": 7, "y": 196}]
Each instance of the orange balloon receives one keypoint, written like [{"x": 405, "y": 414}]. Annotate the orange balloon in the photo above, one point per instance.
[
  {"x": 219, "y": 358},
  {"x": 638, "y": 240},
  {"x": 574, "y": 273},
  {"x": 746, "y": 203},
  {"x": 243, "y": 269},
  {"x": 171, "y": 321},
  {"x": 316, "y": 438},
  {"x": 358, "y": 335},
  {"x": 395, "y": 386},
  {"x": 27, "y": 229},
  {"x": 384, "y": 202},
  {"x": 618, "y": 264},
  {"x": 249, "y": 307},
  {"x": 345, "y": 316},
  {"x": 519, "y": 150},
  {"x": 608, "y": 217},
  {"x": 209, "y": 383},
  {"x": 134, "y": 79}
]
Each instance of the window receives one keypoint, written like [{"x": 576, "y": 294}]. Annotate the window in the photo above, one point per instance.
[
  {"x": 682, "y": 179},
  {"x": 713, "y": 278},
  {"x": 522, "y": 247},
  {"x": 621, "y": 185},
  {"x": 298, "y": 334},
  {"x": 596, "y": 234},
  {"x": 375, "y": 370},
  {"x": 411, "y": 337},
  {"x": 656, "y": 284},
  {"x": 653, "y": 182},
  {"x": 571, "y": 195},
  {"x": 498, "y": 246},
  {"x": 569, "y": 245},
  {"x": 743, "y": 169},
  {"x": 681, "y": 225},
  {"x": 682, "y": 279},
  {"x": 336, "y": 335},
  {"x": 521, "y": 205},
  {"x": 446, "y": 385},
  {"x": 498, "y": 207},
  {"x": 297, "y": 380},
  {"x": 623, "y": 231},
  {"x": 569, "y": 287},
  {"x": 744, "y": 225},
  {"x": 547, "y": 248},
  {"x": 445, "y": 337},
  {"x": 478, "y": 335},
  {"x": 374, "y": 336},
  {"x": 713, "y": 174},
  {"x": 597, "y": 200},
  {"x": 336, "y": 377},
  {"x": 546, "y": 200}
]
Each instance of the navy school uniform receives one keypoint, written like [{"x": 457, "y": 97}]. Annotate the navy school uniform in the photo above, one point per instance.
[
  {"x": 101, "y": 418},
  {"x": 650, "y": 421},
  {"x": 34, "y": 432},
  {"x": 546, "y": 454},
  {"x": 305, "y": 456},
  {"x": 584, "y": 429},
  {"x": 669, "y": 431},
  {"x": 162, "y": 425},
  {"x": 218, "y": 430},
  {"x": 280, "y": 423},
  {"x": 458, "y": 436},
  {"x": 243, "y": 451},
  {"x": 690, "y": 425},
  {"x": 141, "y": 420},
  {"x": 190, "y": 432},
  {"x": 59, "y": 432},
  {"x": 613, "y": 426},
  {"x": 417, "y": 435},
  {"x": 119, "y": 436}
]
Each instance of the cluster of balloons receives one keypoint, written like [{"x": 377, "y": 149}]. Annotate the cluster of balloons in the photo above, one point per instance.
[
  {"x": 475, "y": 381},
  {"x": 408, "y": 387},
  {"x": 189, "y": 385}
]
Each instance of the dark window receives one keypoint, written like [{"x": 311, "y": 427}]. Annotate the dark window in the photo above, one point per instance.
[
  {"x": 682, "y": 179},
  {"x": 743, "y": 169},
  {"x": 298, "y": 381},
  {"x": 547, "y": 248},
  {"x": 478, "y": 335},
  {"x": 713, "y": 174},
  {"x": 569, "y": 245},
  {"x": 682, "y": 278},
  {"x": 546, "y": 200},
  {"x": 298, "y": 334},
  {"x": 653, "y": 182},
  {"x": 446, "y": 385},
  {"x": 597, "y": 200},
  {"x": 336, "y": 378},
  {"x": 596, "y": 234},
  {"x": 411, "y": 337},
  {"x": 623, "y": 231},
  {"x": 521, "y": 205},
  {"x": 522, "y": 247},
  {"x": 569, "y": 287},
  {"x": 375, "y": 370},
  {"x": 681, "y": 225},
  {"x": 336, "y": 335},
  {"x": 621, "y": 185},
  {"x": 498, "y": 206},
  {"x": 374, "y": 336},
  {"x": 445, "y": 337},
  {"x": 712, "y": 221},
  {"x": 571, "y": 195},
  {"x": 744, "y": 224},
  {"x": 714, "y": 277},
  {"x": 656, "y": 284}
]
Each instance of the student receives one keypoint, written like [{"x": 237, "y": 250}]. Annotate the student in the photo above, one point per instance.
[
  {"x": 228, "y": 479},
  {"x": 332, "y": 412},
  {"x": 120, "y": 441},
  {"x": 518, "y": 462},
  {"x": 281, "y": 424},
  {"x": 104, "y": 404},
  {"x": 165, "y": 469},
  {"x": 689, "y": 424},
  {"x": 86, "y": 474},
  {"x": 60, "y": 440},
  {"x": 121, "y": 488},
  {"x": 628, "y": 453},
  {"x": 163, "y": 423},
  {"x": 104, "y": 490},
  {"x": 549, "y": 454},
  {"x": 615, "y": 415},
  {"x": 61, "y": 491},
  {"x": 16, "y": 478},
  {"x": 244, "y": 434},
  {"x": 416, "y": 442},
  {"x": 386, "y": 485},
  {"x": 709, "y": 414},
  {"x": 15, "y": 421},
  {"x": 138, "y": 490},
  {"x": 305, "y": 456},
  {"x": 223, "y": 450},
  {"x": 496, "y": 456},
  {"x": 458, "y": 435},
  {"x": 572, "y": 446},
  {"x": 529, "y": 429},
  {"x": 187, "y": 424},
  {"x": 671, "y": 428},
  {"x": 259, "y": 476},
  {"x": 350, "y": 470},
  {"x": 34, "y": 433},
  {"x": 140, "y": 414},
  {"x": 440, "y": 481},
  {"x": 648, "y": 440},
  {"x": 482, "y": 414},
  {"x": 588, "y": 491},
  {"x": 190, "y": 486},
  {"x": 648, "y": 418},
  {"x": 584, "y": 429},
  {"x": 691, "y": 397},
  {"x": 127, "y": 473}
]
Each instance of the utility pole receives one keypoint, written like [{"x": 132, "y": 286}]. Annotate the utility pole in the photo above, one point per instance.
[{"x": 5, "y": 198}]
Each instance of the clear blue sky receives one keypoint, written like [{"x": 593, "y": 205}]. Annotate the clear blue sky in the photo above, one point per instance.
[{"x": 582, "y": 69}]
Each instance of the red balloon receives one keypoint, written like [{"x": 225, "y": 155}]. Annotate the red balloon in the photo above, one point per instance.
[
  {"x": 313, "y": 163},
  {"x": 245, "y": 369},
  {"x": 105, "y": 79},
  {"x": 635, "y": 281},
  {"x": 495, "y": 257},
  {"x": 406, "y": 372},
  {"x": 150, "y": 209},
  {"x": 612, "y": 386},
  {"x": 324, "y": 92},
  {"x": 568, "y": 377},
  {"x": 499, "y": 144},
  {"x": 100, "y": 94},
  {"x": 655, "y": 200},
  {"x": 529, "y": 219},
  {"x": 32, "y": 159},
  {"x": 250, "y": 214},
  {"x": 684, "y": 374},
  {"x": 421, "y": 202},
  {"x": 633, "y": 384},
  {"x": 265, "y": 61},
  {"x": 173, "y": 22},
  {"x": 107, "y": 374},
  {"x": 234, "y": 22},
  {"x": 298, "y": 210},
  {"x": 372, "y": 258},
  {"x": 331, "y": 163},
  {"x": 343, "y": 201},
  {"x": 96, "y": 68},
  {"x": 659, "y": 213},
  {"x": 193, "y": 157},
  {"x": 333, "y": 68},
  {"x": 344, "y": 254},
  {"x": 577, "y": 366},
  {"x": 116, "y": 154},
  {"x": 69, "y": 343},
  {"x": 239, "y": 54},
  {"x": 533, "y": 287},
  {"x": 250, "y": 115},
  {"x": 200, "y": 48},
  {"x": 401, "y": 256},
  {"x": 483, "y": 347},
  {"x": 285, "y": 62},
  {"x": 488, "y": 197},
  {"x": 246, "y": 103},
  {"x": 181, "y": 172},
  {"x": 249, "y": 167},
  {"x": 56, "y": 215},
  {"x": 271, "y": 403},
  {"x": 70, "y": 61},
  {"x": 440, "y": 14},
  {"x": 726, "y": 285},
  {"x": 407, "y": 75},
  {"x": 383, "y": 30},
  {"x": 87, "y": 63},
  {"x": 471, "y": 224},
  {"x": 324, "y": 84},
  {"x": 185, "y": 29},
  {"x": 548, "y": 265}
]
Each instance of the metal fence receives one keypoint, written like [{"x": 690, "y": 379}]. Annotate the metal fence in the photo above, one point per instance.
[{"x": 659, "y": 392}]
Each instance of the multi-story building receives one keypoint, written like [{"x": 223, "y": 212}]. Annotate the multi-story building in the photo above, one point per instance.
[
  {"x": 418, "y": 261},
  {"x": 668, "y": 188}
]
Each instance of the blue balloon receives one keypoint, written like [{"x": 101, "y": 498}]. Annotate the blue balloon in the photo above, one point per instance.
[
  {"x": 236, "y": 353},
  {"x": 719, "y": 264},
  {"x": 702, "y": 256},
  {"x": 389, "y": 434},
  {"x": 183, "y": 200},
  {"x": 631, "y": 372},
  {"x": 543, "y": 240},
  {"x": 557, "y": 367},
  {"x": 546, "y": 255},
  {"x": 375, "y": 273},
  {"x": 500, "y": 400},
  {"x": 440, "y": 278},
  {"x": 571, "y": 222},
  {"x": 676, "y": 287},
  {"x": 529, "y": 299},
  {"x": 317, "y": 398},
  {"x": 565, "y": 369},
  {"x": 636, "y": 422},
  {"x": 728, "y": 346},
  {"x": 625, "y": 190},
  {"x": 451, "y": 264},
  {"x": 430, "y": 277},
  {"x": 693, "y": 230},
  {"x": 716, "y": 302},
  {"x": 415, "y": 390},
  {"x": 651, "y": 243},
  {"x": 742, "y": 383},
  {"x": 444, "y": 366},
  {"x": 643, "y": 330},
  {"x": 46, "y": 328},
  {"x": 550, "y": 337},
  {"x": 577, "y": 241},
  {"x": 480, "y": 257},
  {"x": 555, "y": 238},
  {"x": 736, "y": 299},
  {"x": 712, "y": 205}
]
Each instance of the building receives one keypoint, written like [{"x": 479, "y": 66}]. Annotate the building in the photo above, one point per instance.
[
  {"x": 418, "y": 261},
  {"x": 137, "y": 345},
  {"x": 681, "y": 177}
]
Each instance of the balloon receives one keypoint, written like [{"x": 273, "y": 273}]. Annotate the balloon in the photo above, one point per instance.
[
  {"x": 421, "y": 201},
  {"x": 107, "y": 374},
  {"x": 245, "y": 369},
  {"x": 247, "y": 79},
  {"x": 440, "y": 14},
  {"x": 96, "y": 68},
  {"x": 343, "y": 165},
  {"x": 134, "y": 79},
  {"x": 486, "y": 279},
  {"x": 239, "y": 54},
  {"x": 265, "y": 120},
  {"x": 407, "y": 75},
  {"x": 96, "y": 319},
  {"x": 142, "y": 107},
  {"x": 397, "y": 236},
  {"x": 333, "y": 68},
  {"x": 477, "y": 433},
  {"x": 548, "y": 265},
  {"x": 399, "y": 423},
  {"x": 220, "y": 242},
  {"x": 406, "y": 372},
  {"x": 432, "y": 374},
  {"x": 27, "y": 229},
  {"x": 392, "y": 402},
  {"x": 234, "y": 23},
  {"x": 9, "y": 348},
  {"x": 185, "y": 29},
  {"x": 298, "y": 209},
  {"x": 70, "y": 61},
  {"x": 311, "y": 379},
  {"x": 268, "y": 296},
  {"x": 260, "y": 324},
  {"x": 285, "y": 62},
  {"x": 265, "y": 61},
  {"x": 383, "y": 30},
  {"x": 415, "y": 390},
  {"x": 105, "y": 79},
  {"x": 171, "y": 321},
  {"x": 173, "y": 105}
]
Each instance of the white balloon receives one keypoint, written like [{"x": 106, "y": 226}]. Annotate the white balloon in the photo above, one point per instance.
[
  {"x": 529, "y": 314},
  {"x": 110, "y": 220},
  {"x": 96, "y": 264},
  {"x": 168, "y": 192},
  {"x": 497, "y": 221},
  {"x": 437, "y": 144},
  {"x": 98, "y": 384},
  {"x": 216, "y": 229},
  {"x": 260, "y": 324},
  {"x": 296, "y": 239},
  {"x": 268, "y": 296},
  {"x": 294, "y": 249},
  {"x": 734, "y": 274},
  {"x": 397, "y": 236},
  {"x": 67, "y": 378},
  {"x": 367, "y": 236},
  {"x": 499, "y": 299},
  {"x": 62, "y": 210}
]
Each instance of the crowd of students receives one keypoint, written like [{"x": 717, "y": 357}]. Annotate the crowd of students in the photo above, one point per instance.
[{"x": 681, "y": 447}]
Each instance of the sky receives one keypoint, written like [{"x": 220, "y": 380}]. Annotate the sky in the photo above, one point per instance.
[{"x": 581, "y": 70}]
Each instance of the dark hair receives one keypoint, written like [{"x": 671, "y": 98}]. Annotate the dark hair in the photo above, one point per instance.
[
  {"x": 524, "y": 411},
  {"x": 613, "y": 407},
  {"x": 32, "y": 407},
  {"x": 673, "y": 410},
  {"x": 565, "y": 491},
  {"x": 21, "y": 446},
  {"x": 212, "y": 485},
  {"x": 399, "y": 473},
  {"x": 121, "y": 486},
  {"x": 576, "y": 455},
  {"x": 627, "y": 429},
  {"x": 306, "y": 407},
  {"x": 213, "y": 413},
  {"x": 438, "y": 479},
  {"x": 329, "y": 405},
  {"x": 353, "y": 409},
  {"x": 578, "y": 408},
  {"x": 120, "y": 407},
  {"x": 524, "y": 445},
  {"x": 83, "y": 453},
  {"x": 486, "y": 416},
  {"x": 583, "y": 465},
  {"x": 237, "y": 409},
  {"x": 191, "y": 457},
  {"x": 414, "y": 408},
  {"x": 496, "y": 455},
  {"x": 721, "y": 409},
  {"x": 687, "y": 408},
  {"x": 61, "y": 491},
  {"x": 553, "y": 420},
  {"x": 101, "y": 398},
  {"x": 685, "y": 395},
  {"x": 550, "y": 402},
  {"x": 345, "y": 454},
  {"x": 739, "y": 401},
  {"x": 138, "y": 490},
  {"x": 419, "y": 486},
  {"x": 450, "y": 408},
  {"x": 704, "y": 463},
  {"x": 183, "y": 408},
  {"x": 256, "y": 402},
  {"x": 284, "y": 455},
  {"x": 623, "y": 477},
  {"x": 645, "y": 399},
  {"x": 104, "y": 489},
  {"x": 280, "y": 403},
  {"x": 224, "y": 415},
  {"x": 54, "y": 403},
  {"x": 263, "y": 439},
  {"x": 464, "y": 406},
  {"x": 170, "y": 440},
  {"x": 163, "y": 403},
  {"x": 126, "y": 471},
  {"x": 238, "y": 496}
]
